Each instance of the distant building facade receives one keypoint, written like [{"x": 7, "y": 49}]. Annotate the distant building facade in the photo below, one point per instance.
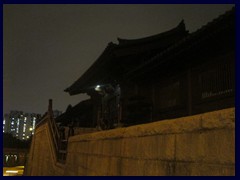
[{"x": 21, "y": 125}]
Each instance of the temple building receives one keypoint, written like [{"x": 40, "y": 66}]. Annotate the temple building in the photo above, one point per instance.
[{"x": 168, "y": 75}]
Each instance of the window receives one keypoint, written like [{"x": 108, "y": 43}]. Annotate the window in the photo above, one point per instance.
[{"x": 216, "y": 81}]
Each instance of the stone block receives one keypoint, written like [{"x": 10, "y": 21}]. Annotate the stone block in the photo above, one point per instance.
[
  {"x": 116, "y": 147},
  {"x": 92, "y": 163},
  {"x": 95, "y": 147},
  {"x": 183, "y": 124},
  {"x": 132, "y": 167},
  {"x": 130, "y": 147},
  {"x": 219, "y": 146},
  {"x": 189, "y": 147},
  {"x": 85, "y": 147},
  {"x": 98, "y": 164},
  {"x": 81, "y": 171},
  {"x": 183, "y": 169},
  {"x": 107, "y": 147},
  {"x": 212, "y": 170},
  {"x": 146, "y": 147},
  {"x": 114, "y": 166},
  {"x": 72, "y": 147},
  {"x": 80, "y": 146},
  {"x": 219, "y": 119},
  {"x": 82, "y": 160},
  {"x": 165, "y": 147},
  {"x": 103, "y": 167},
  {"x": 155, "y": 168}
]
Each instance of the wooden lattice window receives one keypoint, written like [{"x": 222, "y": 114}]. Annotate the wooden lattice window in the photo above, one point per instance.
[{"x": 216, "y": 81}]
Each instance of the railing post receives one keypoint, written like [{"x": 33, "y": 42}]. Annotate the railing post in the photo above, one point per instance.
[
  {"x": 60, "y": 152},
  {"x": 50, "y": 106}
]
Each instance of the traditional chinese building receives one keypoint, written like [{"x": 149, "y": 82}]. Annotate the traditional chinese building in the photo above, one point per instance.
[
  {"x": 80, "y": 115},
  {"x": 168, "y": 75}
]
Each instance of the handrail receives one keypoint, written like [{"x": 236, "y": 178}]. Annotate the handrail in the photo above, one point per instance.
[
  {"x": 43, "y": 120},
  {"x": 60, "y": 149},
  {"x": 60, "y": 145}
]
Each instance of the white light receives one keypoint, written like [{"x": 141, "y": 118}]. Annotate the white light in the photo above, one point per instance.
[
  {"x": 30, "y": 129},
  {"x": 34, "y": 122},
  {"x": 11, "y": 171},
  {"x": 97, "y": 88}
]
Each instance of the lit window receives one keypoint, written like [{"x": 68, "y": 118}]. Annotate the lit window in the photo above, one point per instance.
[
  {"x": 34, "y": 122},
  {"x": 24, "y": 127},
  {"x": 6, "y": 158}
]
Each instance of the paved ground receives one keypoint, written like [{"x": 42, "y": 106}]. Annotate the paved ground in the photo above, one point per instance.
[{"x": 13, "y": 171}]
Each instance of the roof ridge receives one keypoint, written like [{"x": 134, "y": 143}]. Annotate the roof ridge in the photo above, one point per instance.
[
  {"x": 180, "y": 27},
  {"x": 215, "y": 20}
]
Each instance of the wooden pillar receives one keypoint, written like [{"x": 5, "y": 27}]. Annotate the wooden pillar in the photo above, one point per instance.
[
  {"x": 189, "y": 89},
  {"x": 153, "y": 102}
]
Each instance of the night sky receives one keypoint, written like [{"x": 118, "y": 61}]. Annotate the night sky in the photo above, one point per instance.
[{"x": 48, "y": 47}]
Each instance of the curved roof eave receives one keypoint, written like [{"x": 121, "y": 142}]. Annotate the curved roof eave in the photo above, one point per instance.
[{"x": 180, "y": 28}]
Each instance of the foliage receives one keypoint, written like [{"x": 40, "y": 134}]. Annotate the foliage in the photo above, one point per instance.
[{"x": 9, "y": 141}]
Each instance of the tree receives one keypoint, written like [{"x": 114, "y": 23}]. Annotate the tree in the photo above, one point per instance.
[{"x": 9, "y": 141}]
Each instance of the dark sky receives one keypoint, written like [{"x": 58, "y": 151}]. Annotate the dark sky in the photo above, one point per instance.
[{"x": 48, "y": 47}]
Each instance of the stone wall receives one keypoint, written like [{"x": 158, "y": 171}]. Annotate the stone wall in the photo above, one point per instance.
[
  {"x": 42, "y": 158},
  {"x": 203, "y": 144}
]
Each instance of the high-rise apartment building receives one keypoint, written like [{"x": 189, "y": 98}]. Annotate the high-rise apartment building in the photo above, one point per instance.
[{"x": 20, "y": 124}]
